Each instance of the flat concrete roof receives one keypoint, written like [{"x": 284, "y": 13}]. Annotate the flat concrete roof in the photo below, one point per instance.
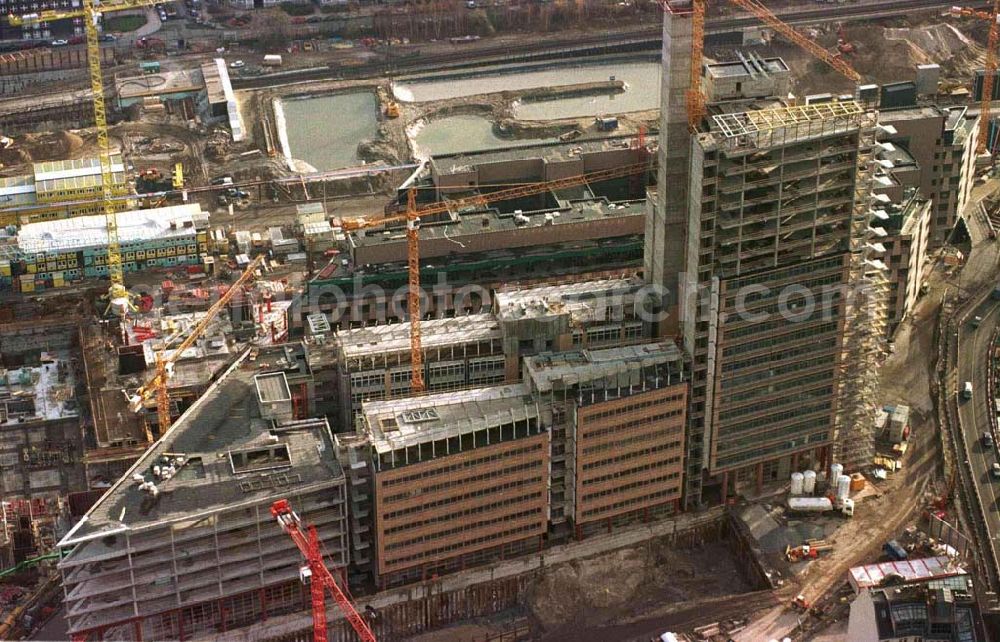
[
  {"x": 911, "y": 113},
  {"x": 226, "y": 418},
  {"x": 453, "y": 163},
  {"x": 17, "y": 190},
  {"x": 160, "y": 84},
  {"x": 745, "y": 68},
  {"x": 213, "y": 82},
  {"x": 900, "y": 157},
  {"x": 272, "y": 387},
  {"x": 91, "y": 231},
  {"x": 468, "y": 223},
  {"x": 395, "y": 337},
  {"x": 587, "y": 365},
  {"x": 581, "y": 299},
  {"x": 410, "y": 421},
  {"x": 81, "y": 173},
  {"x": 53, "y": 397},
  {"x": 956, "y": 116}
]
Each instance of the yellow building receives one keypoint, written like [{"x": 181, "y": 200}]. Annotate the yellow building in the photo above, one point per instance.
[{"x": 59, "y": 189}]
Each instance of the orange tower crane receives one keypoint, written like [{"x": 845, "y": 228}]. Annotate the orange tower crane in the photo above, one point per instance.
[
  {"x": 158, "y": 384},
  {"x": 694, "y": 96},
  {"x": 413, "y": 293},
  {"x": 992, "y": 40},
  {"x": 318, "y": 574},
  {"x": 412, "y": 216}
]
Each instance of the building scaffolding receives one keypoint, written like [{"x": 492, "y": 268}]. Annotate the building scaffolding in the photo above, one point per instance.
[
  {"x": 752, "y": 131},
  {"x": 745, "y": 123},
  {"x": 864, "y": 342}
]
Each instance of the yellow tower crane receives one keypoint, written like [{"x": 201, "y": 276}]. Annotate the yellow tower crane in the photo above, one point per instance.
[
  {"x": 90, "y": 12},
  {"x": 158, "y": 384}
]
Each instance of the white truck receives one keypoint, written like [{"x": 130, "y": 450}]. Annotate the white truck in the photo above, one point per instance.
[
  {"x": 819, "y": 505},
  {"x": 272, "y": 60}
]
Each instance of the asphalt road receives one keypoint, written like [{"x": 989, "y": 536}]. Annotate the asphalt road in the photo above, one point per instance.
[
  {"x": 979, "y": 272},
  {"x": 975, "y": 413}
]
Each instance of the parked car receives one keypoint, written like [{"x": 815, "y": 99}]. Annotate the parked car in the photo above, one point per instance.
[
  {"x": 106, "y": 37},
  {"x": 977, "y": 321},
  {"x": 237, "y": 64},
  {"x": 967, "y": 390},
  {"x": 987, "y": 440},
  {"x": 60, "y": 43},
  {"x": 995, "y": 470},
  {"x": 894, "y": 551}
]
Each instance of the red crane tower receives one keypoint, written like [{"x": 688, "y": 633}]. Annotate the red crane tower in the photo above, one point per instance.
[{"x": 318, "y": 574}]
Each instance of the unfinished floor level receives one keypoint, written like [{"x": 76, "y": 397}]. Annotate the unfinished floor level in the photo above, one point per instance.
[{"x": 184, "y": 545}]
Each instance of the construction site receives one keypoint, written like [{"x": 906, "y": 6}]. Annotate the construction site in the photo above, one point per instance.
[{"x": 630, "y": 322}]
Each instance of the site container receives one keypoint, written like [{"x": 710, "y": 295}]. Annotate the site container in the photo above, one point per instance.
[{"x": 809, "y": 504}]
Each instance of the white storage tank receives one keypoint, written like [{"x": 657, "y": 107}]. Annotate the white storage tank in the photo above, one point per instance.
[
  {"x": 843, "y": 488},
  {"x": 809, "y": 482},
  {"x": 836, "y": 470},
  {"x": 798, "y": 481}
]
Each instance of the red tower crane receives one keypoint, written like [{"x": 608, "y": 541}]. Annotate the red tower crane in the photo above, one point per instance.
[{"x": 318, "y": 574}]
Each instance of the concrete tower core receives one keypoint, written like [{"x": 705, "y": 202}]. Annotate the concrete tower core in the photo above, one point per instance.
[{"x": 668, "y": 205}]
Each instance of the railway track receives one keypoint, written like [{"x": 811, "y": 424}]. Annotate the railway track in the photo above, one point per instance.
[{"x": 644, "y": 38}]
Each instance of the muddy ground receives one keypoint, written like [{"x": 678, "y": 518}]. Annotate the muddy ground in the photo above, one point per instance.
[
  {"x": 632, "y": 583},
  {"x": 887, "y": 51}
]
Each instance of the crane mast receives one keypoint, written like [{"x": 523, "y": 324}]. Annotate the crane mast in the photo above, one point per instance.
[
  {"x": 318, "y": 574},
  {"x": 989, "y": 69},
  {"x": 411, "y": 218},
  {"x": 90, "y": 12},
  {"x": 694, "y": 96},
  {"x": 104, "y": 145},
  {"x": 158, "y": 384},
  {"x": 413, "y": 293}
]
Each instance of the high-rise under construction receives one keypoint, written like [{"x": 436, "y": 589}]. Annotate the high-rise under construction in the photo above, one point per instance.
[{"x": 759, "y": 223}]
